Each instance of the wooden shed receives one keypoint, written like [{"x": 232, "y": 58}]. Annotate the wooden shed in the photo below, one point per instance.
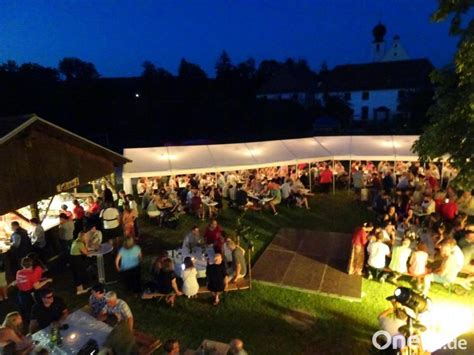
[{"x": 39, "y": 159}]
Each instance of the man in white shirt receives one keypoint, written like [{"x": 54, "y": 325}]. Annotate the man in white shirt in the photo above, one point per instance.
[
  {"x": 110, "y": 217},
  {"x": 453, "y": 262},
  {"x": 378, "y": 251}
]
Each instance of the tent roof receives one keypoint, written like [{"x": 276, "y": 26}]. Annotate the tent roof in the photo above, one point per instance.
[
  {"x": 161, "y": 161},
  {"x": 40, "y": 159},
  {"x": 12, "y": 126}
]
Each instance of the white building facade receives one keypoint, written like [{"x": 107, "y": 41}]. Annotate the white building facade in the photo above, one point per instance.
[{"x": 374, "y": 89}]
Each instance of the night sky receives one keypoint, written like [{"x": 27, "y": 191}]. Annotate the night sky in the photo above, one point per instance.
[{"x": 118, "y": 35}]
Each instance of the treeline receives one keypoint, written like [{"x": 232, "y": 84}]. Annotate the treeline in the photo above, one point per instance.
[{"x": 161, "y": 108}]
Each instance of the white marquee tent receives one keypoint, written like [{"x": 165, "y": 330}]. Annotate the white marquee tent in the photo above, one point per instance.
[{"x": 163, "y": 161}]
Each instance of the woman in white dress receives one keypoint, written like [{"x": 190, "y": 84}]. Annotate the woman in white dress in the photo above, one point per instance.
[{"x": 189, "y": 276}]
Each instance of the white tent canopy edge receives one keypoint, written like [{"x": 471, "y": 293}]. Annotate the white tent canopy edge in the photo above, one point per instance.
[{"x": 178, "y": 160}]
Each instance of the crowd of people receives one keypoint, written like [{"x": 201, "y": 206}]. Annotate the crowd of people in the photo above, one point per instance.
[
  {"x": 203, "y": 194},
  {"x": 422, "y": 230}
]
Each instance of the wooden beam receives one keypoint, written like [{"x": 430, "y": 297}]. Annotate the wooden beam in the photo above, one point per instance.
[
  {"x": 47, "y": 208},
  {"x": 20, "y": 215}
]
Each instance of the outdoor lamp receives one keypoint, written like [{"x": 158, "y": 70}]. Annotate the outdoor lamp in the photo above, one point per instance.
[{"x": 411, "y": 299}]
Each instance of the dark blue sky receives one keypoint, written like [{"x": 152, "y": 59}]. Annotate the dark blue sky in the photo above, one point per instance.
[{"x": 118, "y": 35}]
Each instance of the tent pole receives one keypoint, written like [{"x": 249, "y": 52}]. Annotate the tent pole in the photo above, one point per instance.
[
  {"x": 333, "y": 179},
  {"x": 350, "y": 175},
  {"x": 309, "y": 175}
]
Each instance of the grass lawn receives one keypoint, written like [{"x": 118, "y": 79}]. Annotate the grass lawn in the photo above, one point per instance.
[{"x": 270, "y": 320}]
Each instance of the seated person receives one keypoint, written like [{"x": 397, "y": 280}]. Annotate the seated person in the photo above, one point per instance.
[
  {"x": 212, "y": 235},
  {"x": 286, "y": 190},
  {"x": 116, "y": 307},
  {"x": 398, "y": 264},
  {"x": 418, "y": 261},
  {"x": 236, "y": 347},
  {"x": 378, "y": 251},
  {"x": 301, "y": 199},
  {"x": 241, "y": 197},
  {"x": 191, "y": 240},
  {"x": 275, "y": 193},
  {"x": 95, "y": 238},
  {"x": 97, "y": 300},
  {"x": 49, "y": 310},
  {"x": 391, "y": 216},
  {"x": 239, "y": 266},
  {"x": 171, "y": 347},
  {"x": 451, "y": 265},
  {"x": 165, "y": 282},
  {"x": 11, "y": 331}
]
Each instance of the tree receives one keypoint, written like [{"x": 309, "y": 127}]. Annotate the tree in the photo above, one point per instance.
[
  {"x": 246, "y": 70},
  {"x": 413, "y": 106},
  {"x": 34, "y": 71},
  {"x": 451, "y": 130},
  {"x": 77, "y": 69},
  {"x": 9, "y": 66},
  {"x": 224, "y": 66},
  {"x": 191, "y": 71}
]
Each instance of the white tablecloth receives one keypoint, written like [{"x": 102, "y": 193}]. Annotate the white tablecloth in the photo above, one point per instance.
[
  {"x": 82, "y": 327},
  {"x": 200, "y": 256}
]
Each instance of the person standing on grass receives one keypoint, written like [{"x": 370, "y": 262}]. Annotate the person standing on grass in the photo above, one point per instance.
[
  {"x": 127, "y": 263},
  {"x": 189, "y": 276},
  {"x": 110, "y": 217},
  {"x": 359, "y": 241},
  {"x": 37, "y": 236},
  {"x": 66, "y": 235},
  {"x": 79, "y": 252},
  {"x": 378, "y": 251},
  {"x": 20, "y": 245},
  {"x": 325, "y": 179},
  {"x": 128, "y": 221},
  {"x": 216, "y": 278},
  {"x": 239, "y": 266},
  {"x": 79, "y": 217},
  {"x": 28, "y": 281}
]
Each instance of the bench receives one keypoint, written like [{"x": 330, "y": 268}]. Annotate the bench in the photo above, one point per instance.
[
  {"x": 146, "y": 343},
  {"x": 241, "y": 284}
]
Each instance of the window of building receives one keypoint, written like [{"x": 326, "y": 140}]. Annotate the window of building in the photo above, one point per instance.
[
  {"x": 347, "y": 96},
  {"x": 377, "y": 47},
  {"x": 365, "y": 95},
  {"x": 364, "y": 113}
]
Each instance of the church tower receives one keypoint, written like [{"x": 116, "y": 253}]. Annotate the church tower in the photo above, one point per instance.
[
  {"x": 378, "y": 44},
  {"x": 396, "y": 52}
]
